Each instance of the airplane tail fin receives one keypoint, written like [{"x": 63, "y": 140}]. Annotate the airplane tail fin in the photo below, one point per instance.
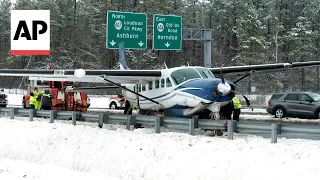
[{"x": 122, "y": 57}]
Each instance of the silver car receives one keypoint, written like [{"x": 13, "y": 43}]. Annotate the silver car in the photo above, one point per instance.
[{"x": 294, "y": 104}]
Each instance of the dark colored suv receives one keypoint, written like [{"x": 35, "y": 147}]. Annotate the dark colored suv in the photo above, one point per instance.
[{"x": 294, "y": 104}]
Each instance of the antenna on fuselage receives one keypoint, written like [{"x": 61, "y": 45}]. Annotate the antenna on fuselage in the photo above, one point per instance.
[
  {"x": 165, "y": 65},
  {"x": 222, "y": 78}
]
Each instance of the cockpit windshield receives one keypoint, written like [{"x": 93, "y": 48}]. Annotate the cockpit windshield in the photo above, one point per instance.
[
  {"x": 181, "y": 75},
  {"x": 205, "y": 73}
]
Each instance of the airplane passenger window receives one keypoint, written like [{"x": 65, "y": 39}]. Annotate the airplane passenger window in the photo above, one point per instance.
[
  {"x": 168, "y": 82},
  {"x": 162, "y": 83},
  {"x": 157, "y": 84},
  {"x": 181, "y": 75},
  {"x": 143, "y": 87},
  {"x": 150, "y": 85}
]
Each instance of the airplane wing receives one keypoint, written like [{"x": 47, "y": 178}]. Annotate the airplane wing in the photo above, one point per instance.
[
  {"x": 88, "y": 89},
  {"x": 97, "y": 76},
  {"x": 265, "y": 68}
]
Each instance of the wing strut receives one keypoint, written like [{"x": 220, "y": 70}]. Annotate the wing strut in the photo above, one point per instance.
[
  {"x": 244, "y": 76},
  {"x": 123, "y": 87}
]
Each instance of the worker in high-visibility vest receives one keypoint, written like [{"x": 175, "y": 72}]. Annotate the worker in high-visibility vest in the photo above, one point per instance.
[
  {"x": 37, "y": 95},
  {"x": 236, "y": 108},
  {"x": 46, "y": 101},
  {"x": 128, "y": 108},
  {"x": 32, "y": 101}
]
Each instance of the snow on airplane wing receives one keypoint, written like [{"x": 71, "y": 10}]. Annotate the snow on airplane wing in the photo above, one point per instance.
[
  {"x": 117, "y": 76},
  {"x": 263, "y": 67}
]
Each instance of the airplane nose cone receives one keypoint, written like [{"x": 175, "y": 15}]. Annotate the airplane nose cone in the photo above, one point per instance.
[{"x": 224, "y": 88}]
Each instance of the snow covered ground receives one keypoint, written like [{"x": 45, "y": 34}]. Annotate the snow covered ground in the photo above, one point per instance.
[
  {"x": 39, "y": 150},
  {"x": 43, "y": 151}
]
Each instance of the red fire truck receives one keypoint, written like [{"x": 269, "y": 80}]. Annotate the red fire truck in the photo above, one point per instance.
[{"x": 62, "y": 99}]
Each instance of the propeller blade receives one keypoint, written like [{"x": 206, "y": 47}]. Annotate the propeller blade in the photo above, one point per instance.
[
  {"x": 222, "y": 78},
  {"x": 247, "y": 100}
]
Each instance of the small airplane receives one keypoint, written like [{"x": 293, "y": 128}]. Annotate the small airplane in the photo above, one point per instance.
[{"x": 179, "y": 91}]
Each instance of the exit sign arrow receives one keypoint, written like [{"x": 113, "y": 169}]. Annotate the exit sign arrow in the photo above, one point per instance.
[
  {"x": 141, "y": 43},
  {"x": 112, "y": 43},
  {"x": 167, "y": 44}
]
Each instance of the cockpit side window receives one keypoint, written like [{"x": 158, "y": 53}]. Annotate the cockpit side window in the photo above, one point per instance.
[
  {"x": 143, "y": 87},
  {"x": 205, "y": 73},
  {"x": 150, "y": 85},
  {"x": 168, "y": 82},
  {"x": 181, "y": 75}
]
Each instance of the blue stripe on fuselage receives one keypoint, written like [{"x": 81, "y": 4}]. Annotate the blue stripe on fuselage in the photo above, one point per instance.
[{"x": 202, "y": 88}]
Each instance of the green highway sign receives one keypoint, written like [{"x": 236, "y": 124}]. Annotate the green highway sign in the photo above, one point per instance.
[
  {"x": 167, "y": 32},
  {"x": 130, "y": 28}
]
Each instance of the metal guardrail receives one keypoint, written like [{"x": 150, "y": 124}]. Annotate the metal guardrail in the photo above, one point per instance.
[{"x": 265, "y": 129}]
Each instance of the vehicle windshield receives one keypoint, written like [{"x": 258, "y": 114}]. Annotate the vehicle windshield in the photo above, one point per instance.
[
  {"x": 181, "y": 75},
  {"x": 315, "y": 96},
  {"x": 205, "y": 73}
]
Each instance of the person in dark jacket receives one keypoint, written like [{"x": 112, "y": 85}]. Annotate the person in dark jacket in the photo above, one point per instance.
[
  {"x": 127, "y": 108},
  {"x": 226, "y": 111},
  {"x": 46, "y": 100}
]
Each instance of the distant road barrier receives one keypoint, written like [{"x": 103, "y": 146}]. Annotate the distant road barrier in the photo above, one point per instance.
[{"x": 265, "y": 129}]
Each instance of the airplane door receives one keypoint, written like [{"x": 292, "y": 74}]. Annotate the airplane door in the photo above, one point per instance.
[{"x": 131, "y": 96}]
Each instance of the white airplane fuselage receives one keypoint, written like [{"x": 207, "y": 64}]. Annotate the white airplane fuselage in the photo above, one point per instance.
[{"x": 180, "y": 92}]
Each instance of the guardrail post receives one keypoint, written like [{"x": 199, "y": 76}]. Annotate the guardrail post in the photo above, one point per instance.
[
  {"x": 196, "y": 121},
  {"x": 100, "y": 123},
  {"x": 157, "y": 124},
  {"x": 74, "y": 118},
  {"x": 31, "y": 114},
  {"x": 191, "y": 126},
  {"x": 12, "y": 113},
  {"x": 230, "y": 129},
  {"x": 53, "y": 115},
  {"x": 128, "y": 122},
  {"x": 274, "y": 132}
]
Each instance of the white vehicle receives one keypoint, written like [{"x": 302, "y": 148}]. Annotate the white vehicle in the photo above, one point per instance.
[{"x": 116, "y": 102}]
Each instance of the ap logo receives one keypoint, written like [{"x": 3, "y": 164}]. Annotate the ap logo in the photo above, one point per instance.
[{"x": 30, "y": 32}]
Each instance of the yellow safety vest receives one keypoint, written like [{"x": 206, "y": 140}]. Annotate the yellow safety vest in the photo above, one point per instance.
[
  {"x": 236, "y": 103},
  {"x": 32, "y": 100},
  {"x": 36, "y": 95},
  {"x": 132, "y": 106}
]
